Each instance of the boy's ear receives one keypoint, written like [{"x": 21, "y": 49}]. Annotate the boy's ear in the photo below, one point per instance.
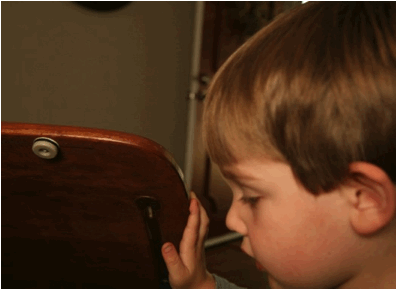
[{"x": 372, "y": 196}]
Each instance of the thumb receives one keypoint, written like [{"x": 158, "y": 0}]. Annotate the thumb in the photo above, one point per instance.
[{"x": 175, "y": 266}]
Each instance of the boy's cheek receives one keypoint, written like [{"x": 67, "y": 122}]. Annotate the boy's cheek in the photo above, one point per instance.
[{"x": 306, "y": 263}]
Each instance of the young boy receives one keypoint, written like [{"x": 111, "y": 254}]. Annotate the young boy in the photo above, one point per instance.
[{"x": 301, "y": 121}]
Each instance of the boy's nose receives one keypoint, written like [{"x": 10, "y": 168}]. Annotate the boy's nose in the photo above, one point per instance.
[{"x": 233, "y": 220}]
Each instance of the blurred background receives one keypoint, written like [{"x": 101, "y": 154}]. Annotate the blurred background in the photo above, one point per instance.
[
  {"x": 136, "y": 67},
  {"x": 125, "y": 69}
]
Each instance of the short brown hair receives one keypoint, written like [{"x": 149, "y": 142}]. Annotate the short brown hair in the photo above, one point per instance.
[{"x": 315, "y": 89}]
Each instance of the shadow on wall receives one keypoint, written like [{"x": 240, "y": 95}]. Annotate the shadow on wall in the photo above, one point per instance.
[{"x": 103, "y": 6}]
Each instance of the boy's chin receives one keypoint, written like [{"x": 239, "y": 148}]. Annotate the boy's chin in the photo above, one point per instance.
[{"x": 273, "y": 283}]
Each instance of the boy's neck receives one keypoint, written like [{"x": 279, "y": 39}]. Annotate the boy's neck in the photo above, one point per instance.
[{"x": 379, "y": 273}]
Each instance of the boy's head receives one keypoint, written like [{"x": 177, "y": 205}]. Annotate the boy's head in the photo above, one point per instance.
[
  {"x": 310, "y": 100},
  {"x": 315, "y": 89}
]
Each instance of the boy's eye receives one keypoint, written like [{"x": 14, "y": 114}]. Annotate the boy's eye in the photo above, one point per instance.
[{"x": 252, "y": 201}]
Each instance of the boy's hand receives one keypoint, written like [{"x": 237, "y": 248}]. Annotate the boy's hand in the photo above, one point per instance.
[{"x": 187, "y": 269}]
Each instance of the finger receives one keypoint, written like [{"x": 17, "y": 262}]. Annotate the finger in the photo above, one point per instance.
[
  {"x": 193, "y": 195},
  {"x": 204, "y": 226},
  {"x": 204, "y": 220},
  {"x": 190, "y": 235},
  {"x": 174, "y": 264}
]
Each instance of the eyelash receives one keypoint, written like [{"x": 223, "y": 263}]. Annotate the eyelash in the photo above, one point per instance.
[{"x": 252, "y": 201}]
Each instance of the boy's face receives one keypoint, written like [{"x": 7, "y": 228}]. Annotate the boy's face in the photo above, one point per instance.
[{"x": 301, "y": 240}]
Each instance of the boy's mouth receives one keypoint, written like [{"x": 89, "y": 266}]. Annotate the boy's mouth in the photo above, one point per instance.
[{"x": 259, "y": 266}]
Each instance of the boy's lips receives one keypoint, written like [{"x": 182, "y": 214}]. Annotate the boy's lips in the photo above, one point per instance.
[{"x": 258, "y": 265}]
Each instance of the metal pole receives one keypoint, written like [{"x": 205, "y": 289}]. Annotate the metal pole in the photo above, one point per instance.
[{"x": 194, "y": 88}]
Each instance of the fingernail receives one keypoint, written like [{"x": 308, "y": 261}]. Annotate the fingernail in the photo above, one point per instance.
[
  {"x": 191, "y": 204},
  {"x": 168, "y": 248}
]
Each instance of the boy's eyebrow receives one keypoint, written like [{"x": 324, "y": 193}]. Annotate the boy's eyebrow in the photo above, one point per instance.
[{"x": 232, "y": 175}]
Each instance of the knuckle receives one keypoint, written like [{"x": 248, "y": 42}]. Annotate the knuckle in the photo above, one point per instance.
[{"x": 174, "y": 260}]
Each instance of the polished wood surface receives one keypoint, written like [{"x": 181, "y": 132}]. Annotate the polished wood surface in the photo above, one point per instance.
[{"x": 72, "y": 221}]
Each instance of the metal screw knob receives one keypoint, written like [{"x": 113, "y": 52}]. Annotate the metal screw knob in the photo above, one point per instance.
[{"x": 45, "y": 148}]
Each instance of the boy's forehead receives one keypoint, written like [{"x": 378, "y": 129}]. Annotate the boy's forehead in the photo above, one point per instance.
[
  {"x": 248, "y": 169},
  {"x": 232, "y": 173}
]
